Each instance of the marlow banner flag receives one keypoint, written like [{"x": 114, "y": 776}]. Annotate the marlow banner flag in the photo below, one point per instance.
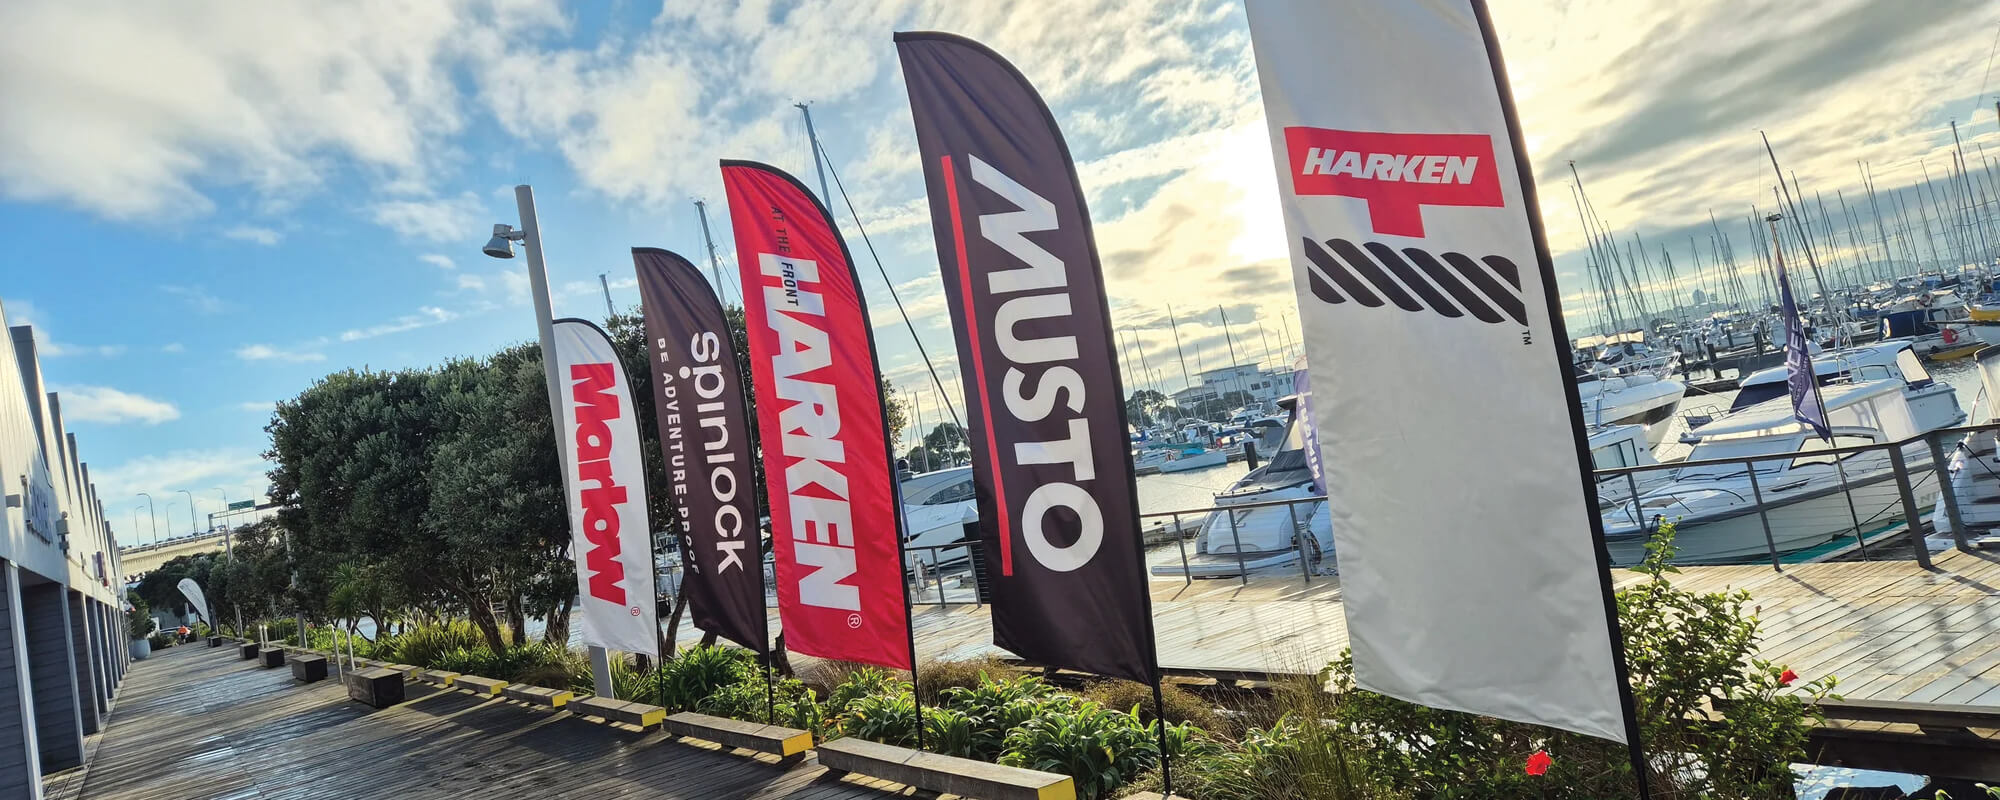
[
  {"x": 705, "y": 439},
  {"x": 1469, "y": 572},
  {"x": 835, "y": 534},
  {"x": 192, "y": 591},
  {"x": 604, "y": 474},
  {"x": 1058, "y": 514}
]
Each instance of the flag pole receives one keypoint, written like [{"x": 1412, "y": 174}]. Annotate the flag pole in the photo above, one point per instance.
[{"x": 1559, "y": 342}]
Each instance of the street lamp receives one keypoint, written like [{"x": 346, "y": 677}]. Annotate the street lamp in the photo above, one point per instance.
[
  {"x": 194, "y": 520},
  {"x": 226, "y": 551},
  {"x": 153, "y": 515},
  {"x": 502, "y": 246}
]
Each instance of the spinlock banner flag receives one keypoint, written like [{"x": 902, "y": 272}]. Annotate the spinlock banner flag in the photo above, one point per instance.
[
  {"x": 1058, "y": 516},
  {"x": 835, "y": 534},
  {"x": 1470, "y": 573},
  {"x": 192, "y": 591},
  {"x": 705, "y": 439},
  {"x": 604, "y": 476}
]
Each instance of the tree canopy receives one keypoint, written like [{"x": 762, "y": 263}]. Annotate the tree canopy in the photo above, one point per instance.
[{"x": 435, "y": 491}]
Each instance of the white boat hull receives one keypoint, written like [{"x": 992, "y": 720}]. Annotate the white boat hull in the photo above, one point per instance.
[
  {"x": 1202, "y": 460},
  {"x": 1737, "y": 536}
]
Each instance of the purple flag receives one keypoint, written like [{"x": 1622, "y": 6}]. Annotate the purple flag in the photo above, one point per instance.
[{"x": 1804, "y": 385}]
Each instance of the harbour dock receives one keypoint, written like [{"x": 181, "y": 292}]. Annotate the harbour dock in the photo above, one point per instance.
[
  {"x": 196, "y": 722},
  {"x": 1916, "y": 651}
]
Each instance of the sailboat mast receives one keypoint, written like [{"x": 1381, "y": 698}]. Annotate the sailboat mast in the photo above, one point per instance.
[
  {"x": 1186, "y": 382},
  {"x": 813, "y": 139},
  {"x": 714, "y": 261},
  {"x": 1881, "y": 232},
  {"x": 1231, "y": 341}
]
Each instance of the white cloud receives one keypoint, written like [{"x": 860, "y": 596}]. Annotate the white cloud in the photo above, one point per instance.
[
  {"x": 261, "y": 406},
  {"x": 265, "y": 352},
  {"x": 425, "y": 317},
  {"x": 173, "y": 347},
  {"x": 252, "y": 233},
  {"x": 197, "y": 298},
  {"x": 438, "y": 219},
  {"x": 471, "y": 282},
  {"x": 112, "y": 406},
  {"x": 240, "y": 472},
  {"x": 438, "y": 260},
  {"x": 140, "y": 112}
]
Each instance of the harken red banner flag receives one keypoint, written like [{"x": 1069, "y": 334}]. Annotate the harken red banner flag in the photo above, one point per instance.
[{"x": 835, "y": 532}]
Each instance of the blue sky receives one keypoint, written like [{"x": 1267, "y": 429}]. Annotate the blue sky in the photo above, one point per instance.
[{"x": 210, "y": 205}]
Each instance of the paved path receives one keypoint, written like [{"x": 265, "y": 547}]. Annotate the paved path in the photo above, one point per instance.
[{"x": 195, "y": 722}]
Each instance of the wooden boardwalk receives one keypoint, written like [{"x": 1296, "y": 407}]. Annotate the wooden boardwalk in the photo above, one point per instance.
[
  {"x": 195, "y": 722},
  {"x": 1888, "y": 629}
]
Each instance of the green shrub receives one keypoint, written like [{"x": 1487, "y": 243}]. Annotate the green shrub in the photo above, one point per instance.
[
  {"x": 937, "y": 677},
  {"x": 948, "y": 731},
  {"x": 160, "y": 641},
  {"x": 425, "y": 644},
  {"x": 1099, "y": 747},
  {"x": 1182, "y": 705},
  {"x": 888, "y": 717},
  {"x": 139, "y": 620},
  {"x": 995, "y": 708},
  {"x": 698, "y": 672},
  {"x": 858, "y": 683},
  {"x": 796, "y": 705}
]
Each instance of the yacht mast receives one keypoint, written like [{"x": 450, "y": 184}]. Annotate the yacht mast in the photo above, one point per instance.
[
  {"x": 1227, "y": 338},
  {"x": 714, "y": 261},
  {"x": 1187, "y": 382},
  {"x": 813, "y": 139}
]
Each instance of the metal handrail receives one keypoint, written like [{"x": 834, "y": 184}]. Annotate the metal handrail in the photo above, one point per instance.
[{"x": 1612, "y": 472}]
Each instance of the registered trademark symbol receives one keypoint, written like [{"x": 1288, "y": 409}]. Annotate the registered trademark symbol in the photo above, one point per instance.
[
  {"x": 854, "y": 620},
  {"x": 635, "y": 611}
]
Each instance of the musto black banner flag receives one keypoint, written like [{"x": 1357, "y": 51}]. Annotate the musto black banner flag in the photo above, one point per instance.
[
  {"x": 705, "y": 439},
  {"x": 1058, "y": 516}
]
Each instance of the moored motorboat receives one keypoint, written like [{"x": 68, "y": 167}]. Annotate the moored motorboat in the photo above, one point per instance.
[
  {"x": 1254, "y": 527},
  {"x": 1790, "y": 499}
]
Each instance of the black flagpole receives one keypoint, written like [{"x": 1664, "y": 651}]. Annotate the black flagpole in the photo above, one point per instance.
[{"x": 1559, "y": 340}]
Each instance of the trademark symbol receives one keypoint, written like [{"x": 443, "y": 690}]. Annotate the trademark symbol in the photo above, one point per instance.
[
  {"x": 1527, "y": 338},
  {"x": 854, "y": 620},
  {"x": 635, "y": 611}
]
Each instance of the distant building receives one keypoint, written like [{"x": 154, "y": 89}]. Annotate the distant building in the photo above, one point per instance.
[
  {"x": 1262, "y": 385},
  {"x": 1700, "y": 297}
]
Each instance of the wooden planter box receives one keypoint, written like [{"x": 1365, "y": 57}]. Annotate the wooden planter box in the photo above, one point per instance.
[
  {"x": 375, "y": 687},
  {"x": 307, "y": 669}
]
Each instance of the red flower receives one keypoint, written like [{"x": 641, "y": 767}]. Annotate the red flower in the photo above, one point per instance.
[
  {"x": 1538, "y": 764},
  {"x": 1787, "y": 678}
]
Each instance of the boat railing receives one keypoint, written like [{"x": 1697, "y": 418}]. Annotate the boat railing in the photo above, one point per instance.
[
  {"x": 1630, "y": 504},
  {"x": 1303, "y": 544}
]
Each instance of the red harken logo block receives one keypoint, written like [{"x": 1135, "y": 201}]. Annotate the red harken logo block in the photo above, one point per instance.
[{"x": 1397, "y": 173}]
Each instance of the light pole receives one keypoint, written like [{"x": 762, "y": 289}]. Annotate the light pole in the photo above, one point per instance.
[
  {"x": 194, "y": 519},
  {"x": 226, "y": 552},
  {"x": 153, "y": 515},
  {"x": 502, "y": 246},
  {"x": 135, "y": 525},
  {"x": 229, "y": 553}
]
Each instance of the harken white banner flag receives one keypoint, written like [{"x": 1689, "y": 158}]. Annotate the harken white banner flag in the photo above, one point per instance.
[
  {"x": 1448, "y": 431},
  {"x": 604, "y": 477},
  {"x": 192, "y": 591}
]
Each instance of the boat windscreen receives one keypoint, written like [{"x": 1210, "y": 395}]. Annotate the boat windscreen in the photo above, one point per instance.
[{"x": 1761, "y": 392}]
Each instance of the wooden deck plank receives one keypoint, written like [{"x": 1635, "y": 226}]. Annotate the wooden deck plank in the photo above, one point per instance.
[{"x": 197, "y": 725}]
